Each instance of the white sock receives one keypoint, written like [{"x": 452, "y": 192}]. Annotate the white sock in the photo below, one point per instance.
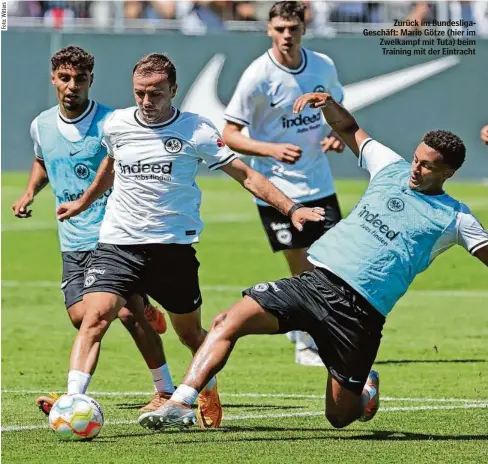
[
  {"x": 211, "y": 383},
  {"x": 78, "y": 382},
  {"x": 185, "y": 394},
  {"x": 163, "y": 383},
  {"x": 371, "y": 393},
  {"x": 304, "y": 341}
]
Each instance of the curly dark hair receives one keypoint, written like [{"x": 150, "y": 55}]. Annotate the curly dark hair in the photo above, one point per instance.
[
  {"x": 288, "y": 10},
  {"x": 73, "y": 57},
  {"x": 156, "y": 63},
  {"x": 449, "y": 145}
]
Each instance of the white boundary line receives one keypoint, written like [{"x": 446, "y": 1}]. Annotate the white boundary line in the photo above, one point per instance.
[
  {"x": 20, "y": 428},
  {"x": 259, "y": 395},
  {"x": 239, "y": 288}
]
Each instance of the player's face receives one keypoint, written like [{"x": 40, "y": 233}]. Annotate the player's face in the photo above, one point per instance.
[
  {"x": 153, "y": 94},
  {"x": 429, "y": 172},
  {"x": 72, "y": 87},
  {"x": 286, "y": 33}
]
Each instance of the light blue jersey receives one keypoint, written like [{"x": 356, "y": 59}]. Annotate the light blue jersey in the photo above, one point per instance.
[
  {"x": 392, "y": 235},
  {"x": 71, "y": 167}
]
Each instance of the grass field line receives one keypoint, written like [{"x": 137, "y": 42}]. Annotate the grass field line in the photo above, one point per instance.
[
  {"x": 20, "y": 428},
  {"x": 258, "y": 395},
  {"x": 239, "y": 288}
]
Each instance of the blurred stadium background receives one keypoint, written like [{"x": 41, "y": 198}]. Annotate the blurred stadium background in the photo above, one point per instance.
[
  {"x": 435, "y": 380},
  {"x": 222, "y": 37}
]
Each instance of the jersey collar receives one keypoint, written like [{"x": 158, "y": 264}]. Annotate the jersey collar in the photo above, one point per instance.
[
  {"x": 89, "y": 109},
  {"x": 171, "y": 120},
  {"x": 298, "y": 70}
]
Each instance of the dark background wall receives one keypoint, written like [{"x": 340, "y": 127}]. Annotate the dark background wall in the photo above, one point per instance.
[{"x": 454, "y": 99}]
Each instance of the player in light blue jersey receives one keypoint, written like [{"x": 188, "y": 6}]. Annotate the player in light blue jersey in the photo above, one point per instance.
[
  {"x": 68, "y": 151},
  {"x": 363, "y": 266}
]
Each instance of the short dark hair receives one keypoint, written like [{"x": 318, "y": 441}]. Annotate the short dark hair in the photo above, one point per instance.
[
  {"x": 288, "y": 10},
  {"x": 73, "y": 57},
  {"x": 156, "y": 63},
  {"x": 449, "y": 145}
]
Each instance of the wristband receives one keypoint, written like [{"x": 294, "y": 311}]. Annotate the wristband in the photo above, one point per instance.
[{"x": 294, "y": 208}]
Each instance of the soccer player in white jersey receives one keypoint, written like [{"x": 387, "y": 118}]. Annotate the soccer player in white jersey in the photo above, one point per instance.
[
  {"x": 363, "y": 266},
  {"x": 153, "y": 218},
  {"x": 67, "y": 145},
  {"x": 287, "y": 148}
]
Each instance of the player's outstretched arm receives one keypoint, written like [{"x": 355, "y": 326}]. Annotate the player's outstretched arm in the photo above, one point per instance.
[
  {"x": 262, "y": 188},
  {"x": 337, "y": 117},
  {"x": 37, "y": 181},
  {"x": 102, "y": 182},
  {"x": 237, "y": 141}
]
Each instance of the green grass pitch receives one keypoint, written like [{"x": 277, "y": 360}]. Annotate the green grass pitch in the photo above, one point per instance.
[{"x": 433, "y": 360}]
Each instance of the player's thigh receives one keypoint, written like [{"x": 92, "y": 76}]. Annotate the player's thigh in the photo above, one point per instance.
[
  {"x": 72, "y": 284},
  {"x": 101, "y": 308},
  {"x": 293, "y": 301},
  {"x": 171, "y": 278},
  {"x": 246, "y": 317},
  {"x": 350, "y": 335},
  {"x": 297, "y": 260},
  {"x": 114, "y": 269}
]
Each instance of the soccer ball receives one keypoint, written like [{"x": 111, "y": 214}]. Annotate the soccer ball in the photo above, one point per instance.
[{"x": 76, "y": 417}]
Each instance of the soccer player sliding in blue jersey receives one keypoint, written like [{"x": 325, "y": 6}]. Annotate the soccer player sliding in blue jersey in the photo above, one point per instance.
[
  {"x": 68, "y": 151},
  {"x": 363, "y": 266}
]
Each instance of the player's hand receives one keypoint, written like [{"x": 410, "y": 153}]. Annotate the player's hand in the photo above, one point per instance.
[
  {"x": 484, "y": 134},
  {"x": 332, "y": 143},
  {"x": 20, "y": 206},
  {"x": 303, "y": 215},
  {"x": 313, "y": 99},
  {"x": 68, "y": 210},
  {"x": 285, "y": 152}
]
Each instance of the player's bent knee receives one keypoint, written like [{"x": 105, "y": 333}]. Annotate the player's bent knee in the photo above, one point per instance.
[
  {"x": 127, "y": 319},
  {"x": 337, "y": 421},
  {"x": 225, "y": 326}
]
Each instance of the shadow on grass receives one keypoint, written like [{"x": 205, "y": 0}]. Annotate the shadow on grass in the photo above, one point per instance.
[
  {"x": 251, "y": 406},
  {"x": 190, "y": 437},
  {"x": 431, "y": 361}
]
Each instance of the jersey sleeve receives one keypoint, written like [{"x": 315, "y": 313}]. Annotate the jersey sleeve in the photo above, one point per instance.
[
  {"x": 243, "y": 103},
  {"x": 374, "y": 156},
  {"x": 210, "y": 147},
  {"x": 34, "y": 133},
  {"x": 106, "y": 142},
  {"x": 335, "y": 87},
  {"x": 470, "y": 233}
]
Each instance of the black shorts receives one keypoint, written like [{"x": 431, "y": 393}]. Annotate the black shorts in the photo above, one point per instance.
[
  {"x": 166, "y": 272},
  {"x": 345, "y": 327},
  {"x": 74, "y": 263},
  {"x": 283, "y": 236}
]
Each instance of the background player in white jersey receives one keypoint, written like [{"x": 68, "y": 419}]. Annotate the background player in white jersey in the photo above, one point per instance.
[
  {"x": 288, "y": 149},
  {"x": 363, "y": 266},
  {"x": 67, "y": 145},
  {"x": 153, "y": 217}
]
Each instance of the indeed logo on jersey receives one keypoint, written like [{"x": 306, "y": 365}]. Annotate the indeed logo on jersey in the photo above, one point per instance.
[
  {"x": 301, "y": 120},
  {"x": 70, "y": 196},
  {"x": 376, "y": 226},
  {"x": 147, "y": 171}
]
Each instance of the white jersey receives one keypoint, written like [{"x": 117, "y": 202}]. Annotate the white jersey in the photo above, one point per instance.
[
  {"x": 155, "y": 197},
  {"x": 263, "y": 101}
]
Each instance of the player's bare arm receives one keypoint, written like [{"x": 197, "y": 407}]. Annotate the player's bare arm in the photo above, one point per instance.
[
  {"x": 102, "y": 182},
  {"x": 341, "y": 121},
  {"x": 236, "y": 140},
  {"x": 37, "y": 181},
  {"x": 332, "y": 143},
  {"x": 262, "y": 188},
  {"x": 482, "y": 255}
]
